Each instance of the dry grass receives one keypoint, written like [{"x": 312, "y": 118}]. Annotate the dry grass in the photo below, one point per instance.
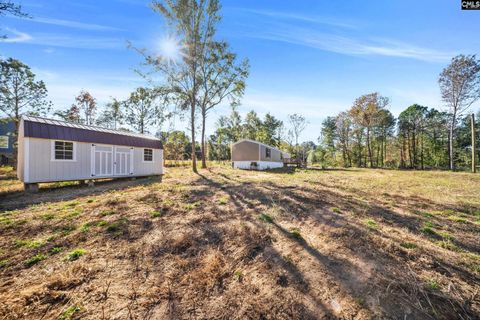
[{"x": 235, "y": 244}]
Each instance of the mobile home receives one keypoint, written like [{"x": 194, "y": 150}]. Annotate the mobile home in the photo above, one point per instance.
[
  {"x": 254, "y": 155},
  {"x": 52, "y": 150},
  {"x": 7, "y": 138}
]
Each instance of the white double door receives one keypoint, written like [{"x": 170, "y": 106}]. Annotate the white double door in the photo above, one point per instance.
[{"x": 111, "y": 161}]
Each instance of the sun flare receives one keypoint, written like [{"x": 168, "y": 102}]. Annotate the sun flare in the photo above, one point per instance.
[{"x": 170, "y": 49}]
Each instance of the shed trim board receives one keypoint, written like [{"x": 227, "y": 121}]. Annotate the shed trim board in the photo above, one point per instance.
[{"x": 26, "y": 174}]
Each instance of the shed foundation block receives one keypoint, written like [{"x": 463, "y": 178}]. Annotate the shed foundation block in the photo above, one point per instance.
[
  {"x": 90, "y": 183},
  {"x": 31, "y": 187}
]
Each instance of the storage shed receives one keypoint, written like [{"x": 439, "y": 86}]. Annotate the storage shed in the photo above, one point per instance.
[
  {"x": 52, "y": 150},
  {"x": 254, "y": 155}
]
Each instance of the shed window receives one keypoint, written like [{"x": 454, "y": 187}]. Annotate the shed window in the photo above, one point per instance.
[
  {"x": 63, "y": 150},
  {"x": 148, "y": 155},
  {"x": 268, "y": 153}
]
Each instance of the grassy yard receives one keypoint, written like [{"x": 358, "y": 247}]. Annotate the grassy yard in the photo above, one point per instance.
[{"x": 230, "y": 244}]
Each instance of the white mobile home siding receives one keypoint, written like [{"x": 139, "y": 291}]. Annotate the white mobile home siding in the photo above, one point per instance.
[{"x": 249, "y": 154}]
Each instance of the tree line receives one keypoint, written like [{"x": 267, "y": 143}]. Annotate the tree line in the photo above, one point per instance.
[
  {"x": 368, "y": 135},
  {"x": 208, "y": 74}
]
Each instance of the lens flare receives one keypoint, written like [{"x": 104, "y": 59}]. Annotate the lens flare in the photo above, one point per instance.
[{"x": 170, "y": 49}]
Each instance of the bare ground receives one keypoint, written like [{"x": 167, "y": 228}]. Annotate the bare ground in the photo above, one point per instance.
[{"x": 228, "y": 244}]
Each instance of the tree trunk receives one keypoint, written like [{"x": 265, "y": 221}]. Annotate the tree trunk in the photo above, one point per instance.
[
  {"x": 414, "y": 148},
  {"x": 194, "y": 156},
  {"x": 450, "y": 143},
  {"x": 15, "y": 144},
  {"x": 421, "y": 150},
  {"x": 204, "y": 162},
  {"x": 474, "y": 162},
  {"x": 369, "y": 149}
]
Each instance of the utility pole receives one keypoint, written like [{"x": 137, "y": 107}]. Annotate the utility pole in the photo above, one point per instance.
[{"x": 474, "y": 162}]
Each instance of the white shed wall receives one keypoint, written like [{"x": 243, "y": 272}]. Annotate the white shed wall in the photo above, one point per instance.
[{"x": 41, "y": 167}]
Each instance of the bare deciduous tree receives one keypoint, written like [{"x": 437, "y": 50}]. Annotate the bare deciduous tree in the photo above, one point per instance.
[
  {"x": 460, "y": 88},
  {"x": 221, "y": 78},
  {"x": 87, "y": 104},
  {"x": 298, "y": 124},
  {"x": 194, "y": 23}
]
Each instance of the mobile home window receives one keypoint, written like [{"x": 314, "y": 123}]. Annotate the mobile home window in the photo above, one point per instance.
[
  {"x": 63, "y": 150},
  {"x": 147, "y": 155},
  {"x": 268, "y": 153}
]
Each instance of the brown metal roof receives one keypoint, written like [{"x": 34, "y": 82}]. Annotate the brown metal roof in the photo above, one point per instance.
[{"x": 36, "y": 127}]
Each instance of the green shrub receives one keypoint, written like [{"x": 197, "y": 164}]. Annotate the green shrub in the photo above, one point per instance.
[
  {"x": 371, "y": 224},
  {"x": 223, "y": 201},
  {"x": 191, "y": 206},
  {"x": 35, "y": 259},
  {"x": 447, "y": 244},
  {"x": 295, "y": 232},
  {"x": 432, "y": 284},
  {"x": 408, "y": 245},
  {"x": 117, "y": 226},
  {"x": 458, "y": 219},
  {"x": 107, "y": 213},
  {"x": 265, "y": 218},
  {"x": 156, "y": 214},
  {"x": 237, "y": 275},
  {"x": 65, "y": 229},
  {"x": 69, "y": 313},
  {"x": 427, "y": 229},
  {"x": 29, "y": 243},
  {"x": 85, "y": 227},
  {"x": 56, "y": 250},
  {"x": 75, "y": 254},
  {"x": 48, "y": 216},
  {"x": 71, "y": 204}
]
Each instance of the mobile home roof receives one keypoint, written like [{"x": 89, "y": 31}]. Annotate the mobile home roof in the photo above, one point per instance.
[{"x": 36, "y": 127}]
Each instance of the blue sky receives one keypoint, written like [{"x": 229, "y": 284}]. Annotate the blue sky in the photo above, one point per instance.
[{"x": 310, "y": 57}]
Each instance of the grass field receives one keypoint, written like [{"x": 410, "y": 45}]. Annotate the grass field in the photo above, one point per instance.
[{"x": 230, "y": 244}]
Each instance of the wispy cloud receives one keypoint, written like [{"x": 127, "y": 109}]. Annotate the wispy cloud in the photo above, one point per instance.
[
  {"x": 314, "y": 19},
  {"x": 350, "y": 45},
  {"x": 72, "y": 24},
  {"x": 15, "y": 36},
  {"x": 65, "y": 41},
  {"x": 84, "y": 42},
  {"x": 343, "y": 36}
]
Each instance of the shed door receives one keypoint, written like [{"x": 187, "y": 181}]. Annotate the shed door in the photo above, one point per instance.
[
  {"x": 123, "y": 161},
  {"x": 102, "y": 160}
]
